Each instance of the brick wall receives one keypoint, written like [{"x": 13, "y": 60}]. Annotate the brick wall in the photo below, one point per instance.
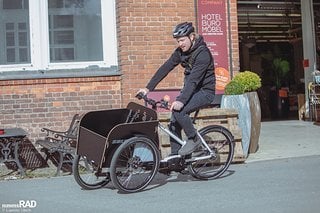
[
  {"x": 33, "y": 104},
  {"x": 144, "y": 30},
  {"x": 145, "y": 41}
]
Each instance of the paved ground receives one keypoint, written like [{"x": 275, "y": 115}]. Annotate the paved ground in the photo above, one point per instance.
[
  {"x": 274, "y": 186},
  {"x": 285, "y": 139},
  {"x": 283, "y": 176}
]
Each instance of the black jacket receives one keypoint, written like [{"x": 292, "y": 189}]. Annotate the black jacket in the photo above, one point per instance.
[{"x": 198, "y": 75}]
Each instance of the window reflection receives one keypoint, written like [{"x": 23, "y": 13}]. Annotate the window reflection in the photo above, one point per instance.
[
  {"x": 75, "y": 30},
  {"x": 15, "y": 45}
]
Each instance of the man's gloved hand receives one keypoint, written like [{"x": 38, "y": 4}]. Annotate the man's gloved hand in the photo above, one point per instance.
[
  {"x": 176, "y": 105},
  {"x": 144, "y": 91}
]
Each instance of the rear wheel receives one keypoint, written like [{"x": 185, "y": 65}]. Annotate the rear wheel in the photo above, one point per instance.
[
  {"x": 88, "y": 175},
  {"x": 134, "y": 164},
  {"x": 221, "y": 142}
]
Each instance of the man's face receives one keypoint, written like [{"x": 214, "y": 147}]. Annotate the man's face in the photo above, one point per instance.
[{"x": 185, "y": 43}]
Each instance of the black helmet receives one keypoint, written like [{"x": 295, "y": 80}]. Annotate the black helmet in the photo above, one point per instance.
[{"x": 183, "y": 29}]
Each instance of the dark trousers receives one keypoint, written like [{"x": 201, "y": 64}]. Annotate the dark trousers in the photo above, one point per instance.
[{"x": 182, "y": 120}]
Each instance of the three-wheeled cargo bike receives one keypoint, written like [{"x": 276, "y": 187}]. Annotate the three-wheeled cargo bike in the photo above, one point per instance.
[{"x": 122, "y": 146}]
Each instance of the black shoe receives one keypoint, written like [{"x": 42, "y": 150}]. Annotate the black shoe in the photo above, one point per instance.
[{"x": 190, "y": 146}]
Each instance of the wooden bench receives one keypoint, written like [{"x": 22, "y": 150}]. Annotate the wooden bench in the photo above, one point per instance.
[{"x": 62, "y": 143}]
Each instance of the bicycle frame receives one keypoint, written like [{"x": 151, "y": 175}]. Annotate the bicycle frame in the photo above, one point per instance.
[
  {"x": 177, "y": 139},
  {"x": 164, "y": 104},
  {"x": 181, "y": 142}
]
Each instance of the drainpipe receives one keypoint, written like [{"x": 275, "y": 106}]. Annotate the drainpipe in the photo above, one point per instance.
[
  {"x": 309, "y": 46},
  {"x": 230, "y": 40}
]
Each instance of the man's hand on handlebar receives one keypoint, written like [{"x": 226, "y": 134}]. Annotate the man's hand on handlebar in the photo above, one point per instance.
[
  {"x": 163, "y": 103},
  {"x": 176, "y": 105}
]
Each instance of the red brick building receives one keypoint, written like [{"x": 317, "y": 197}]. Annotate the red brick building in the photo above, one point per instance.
[{"x": 31, "y": 100}]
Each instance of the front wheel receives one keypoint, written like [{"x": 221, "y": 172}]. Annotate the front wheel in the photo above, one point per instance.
[
  {"x": 88, "y": 175},
  {"x": 221, "y": 142},
  {"x": 134, "y": 164}
]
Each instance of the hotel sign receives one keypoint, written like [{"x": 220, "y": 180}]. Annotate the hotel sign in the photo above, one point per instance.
[{"x": 212, "y": 25}]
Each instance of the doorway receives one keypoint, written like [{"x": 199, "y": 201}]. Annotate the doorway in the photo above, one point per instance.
[{"x": 270, "y": 31}]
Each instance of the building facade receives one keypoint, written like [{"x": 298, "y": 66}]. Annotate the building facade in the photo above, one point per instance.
[{"x": 82, "y": 56}]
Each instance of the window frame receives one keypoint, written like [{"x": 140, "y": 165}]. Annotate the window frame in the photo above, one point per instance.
[{"x": 40, "y": 49}]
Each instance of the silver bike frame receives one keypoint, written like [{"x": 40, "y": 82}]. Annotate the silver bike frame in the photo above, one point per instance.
[
  {"x": 181, "y": 142},
  {"x": 177, "y": 139}
]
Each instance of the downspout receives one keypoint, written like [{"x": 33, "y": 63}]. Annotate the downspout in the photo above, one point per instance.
[
  {"x": 196, "y": 14},
  {"x": 230, "y": 40}
]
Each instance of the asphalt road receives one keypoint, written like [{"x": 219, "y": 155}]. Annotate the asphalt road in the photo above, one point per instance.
[{"x": 289, "y": 185}]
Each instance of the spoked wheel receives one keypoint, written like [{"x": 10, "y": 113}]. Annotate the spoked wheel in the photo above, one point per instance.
[
  {"x": 88, "y": 175},
  {"x": 134, "y": 164},
  {"x": 221, "y": 142}
]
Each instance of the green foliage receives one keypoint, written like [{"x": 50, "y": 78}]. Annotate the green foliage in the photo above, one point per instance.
[
  {"x": 278, "y": 68},
  {"x": 243, "y": 82},
  {"x": 234, "y": 88},
  {"x": 281, "y": 69}
]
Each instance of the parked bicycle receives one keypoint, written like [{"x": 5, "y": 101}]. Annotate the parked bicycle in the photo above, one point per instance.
[{"x": 122, "y": 146}]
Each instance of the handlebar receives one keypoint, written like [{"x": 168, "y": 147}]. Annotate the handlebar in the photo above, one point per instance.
[{"x": 155, "y": 104}]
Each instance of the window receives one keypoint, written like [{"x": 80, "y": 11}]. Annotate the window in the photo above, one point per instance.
[
  {"x": 15, "y": 45},
  {"x": 57, "y": 34}
]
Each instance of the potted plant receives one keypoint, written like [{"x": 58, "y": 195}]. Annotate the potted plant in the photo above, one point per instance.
[
  {"x": 243, "y": 82},
  {"x": 241, "y": 94},
  {"x": 279, "y": 100},
  {"x": 281, "y": 68}
]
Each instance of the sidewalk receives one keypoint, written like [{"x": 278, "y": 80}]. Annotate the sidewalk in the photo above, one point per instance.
[{"x": 286, "y": 139}]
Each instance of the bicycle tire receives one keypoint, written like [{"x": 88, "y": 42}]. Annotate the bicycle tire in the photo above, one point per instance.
[
  {"x": 134, "y": 164},
  {"x": 221, "y": 142},
  {"x": 87, "y": 174}
]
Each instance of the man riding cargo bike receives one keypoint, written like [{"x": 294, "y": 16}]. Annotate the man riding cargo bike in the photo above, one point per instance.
[
  {"x": 199, "y": 84},
  {"x": 122, "y": 145}
]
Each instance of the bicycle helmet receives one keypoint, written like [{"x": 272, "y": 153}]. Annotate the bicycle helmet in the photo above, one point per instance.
[{"x": 183, "y": 29}]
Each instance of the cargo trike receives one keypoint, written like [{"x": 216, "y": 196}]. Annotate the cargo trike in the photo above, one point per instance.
[{"x": 122, "y": 146}]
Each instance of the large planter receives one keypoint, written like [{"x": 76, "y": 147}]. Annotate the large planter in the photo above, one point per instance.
[{"x": 248, "y": 107}]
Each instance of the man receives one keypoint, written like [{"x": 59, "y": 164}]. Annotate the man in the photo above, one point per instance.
[{"x": 199, "y": 84}]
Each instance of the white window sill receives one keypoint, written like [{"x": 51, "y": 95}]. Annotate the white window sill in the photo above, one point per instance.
[{"x": 69, "y": 73}]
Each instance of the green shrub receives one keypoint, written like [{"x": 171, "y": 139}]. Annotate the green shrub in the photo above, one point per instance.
[
  {"x": 243, "y": 82},
  {"x": 233, "y": 88}
]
